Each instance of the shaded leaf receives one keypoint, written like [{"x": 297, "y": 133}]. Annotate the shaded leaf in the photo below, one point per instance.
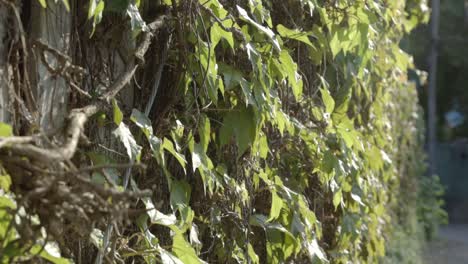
[
  {"x": 180, "y": 194},
  {"x": 241, "y": 124}
]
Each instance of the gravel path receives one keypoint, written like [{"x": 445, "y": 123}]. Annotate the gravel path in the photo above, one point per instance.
[{"x": 451, "y": 247}]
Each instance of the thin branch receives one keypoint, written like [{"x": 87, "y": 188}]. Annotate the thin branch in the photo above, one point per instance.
[
  {"x": 153, "y": 27},
  {"x": 140, "y": 52},
  {"x": 120, "y": 83},
  {"x": 113, "y": 166},
  {"x": 157, "y": 80},
  {"x": 8, "y": 141},
  {"x": 63, "y": 59},
  {"x": 79, "y": 117}
]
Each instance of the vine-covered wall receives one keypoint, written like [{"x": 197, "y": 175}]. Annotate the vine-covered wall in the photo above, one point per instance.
[{"x": 217, "y": 131}]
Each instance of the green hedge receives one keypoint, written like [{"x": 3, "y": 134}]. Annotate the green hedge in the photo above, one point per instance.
[{"x": 291, "y": 132}]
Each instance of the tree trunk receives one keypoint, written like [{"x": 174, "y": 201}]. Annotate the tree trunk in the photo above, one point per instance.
[
  {"x": 432, "y": 103},
  {"x": 53, "y": 27},
  {"x": 4, "y": 87}
]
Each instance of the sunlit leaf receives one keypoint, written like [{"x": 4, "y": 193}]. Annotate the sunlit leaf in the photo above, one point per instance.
[
  {"x": 47, "y": 253},
  {"x": 327, "y": 101},
  {"x": 276, "y": 205},
  {"x": 43, "y": 3},
  {"x": 118, "y": 116},
  {"x": 168, "y": 258},
  {"x": 5, "y": 130},
  {"x": 217, "y": 33},
  {"x": 294, "y": 34},
  {"x": 66, "y": 4},
  {"x": 169, "y": 146},
  {"x": 141, "y": 120},
  {"x": 290, "y": 68},
  {"x": 267, "y": 31},
  {"x": 183, "y": 250},
  {"x": 125, "y": 136},
  {"x": 136, "y": 21},
  {"x": 156, "y": 217},
  {"x": 315, "y": 252}
]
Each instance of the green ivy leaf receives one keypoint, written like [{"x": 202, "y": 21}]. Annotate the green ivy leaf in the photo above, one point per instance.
[
  {"x": 241, "y": 124},
  {"x": 267, "y": 31},
  {"x": 180, "y": 194},
  {"x": 276, "y": 205},
  {"x": 204, "y": 130},
  {"x": 232, "y": 76},
  {"x": 66, "y": 4},
  {"x": 46, "y": 253},
  {"x": 156, "y": 217},
  {"x": 183, "y": 250},
  {"x": 5, "y": 180},
  {"x": 118, "y": 6},
  {"x": 247, "y": 91},
  {"x": 97, "y": 238},
  {"x": 91, "y": 8},
  {"x": 327, "y": 101},
  {"x": 337, "y": 198},
  {"x": 252, "y": 255},
  {"x": 217, "y": 33},
  {"x": 136, "y": 21},
  {"x": 339, "y": 40},
  {"x": 315, "y": 252},
  {"x": 263, "y": 147},
  {"x": 142, "y": 121},
  {"x": 125, "y": 136},
  {"x": 168, "y": 258},
  {"x": 95, "y": 10},
  {"x": 118, "y": 116},
  {"x": 294, "y": 34},
  {"x": 5, "y": 130},
  {"x": 43, "y": 3},
  {"x": 169, "y": 146},
  {"x": 294, "y": 78}
]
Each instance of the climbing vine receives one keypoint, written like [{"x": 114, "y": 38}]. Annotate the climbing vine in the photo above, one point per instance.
[{"x": 267, "y": 131}]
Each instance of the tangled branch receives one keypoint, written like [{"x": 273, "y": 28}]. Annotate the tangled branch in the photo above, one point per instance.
[{"x": 46, "y": 180}]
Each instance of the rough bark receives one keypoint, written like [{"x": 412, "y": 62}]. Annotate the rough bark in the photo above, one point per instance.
[
  {"x": 4, "y": 87},
  {"x": 52, "y": 26}
]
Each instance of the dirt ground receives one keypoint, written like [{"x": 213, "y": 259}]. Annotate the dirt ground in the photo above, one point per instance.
[{"x": 451, "y": 247}]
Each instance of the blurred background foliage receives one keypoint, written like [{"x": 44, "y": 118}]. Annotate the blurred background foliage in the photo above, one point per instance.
[{"x": 452, "y": 92}]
